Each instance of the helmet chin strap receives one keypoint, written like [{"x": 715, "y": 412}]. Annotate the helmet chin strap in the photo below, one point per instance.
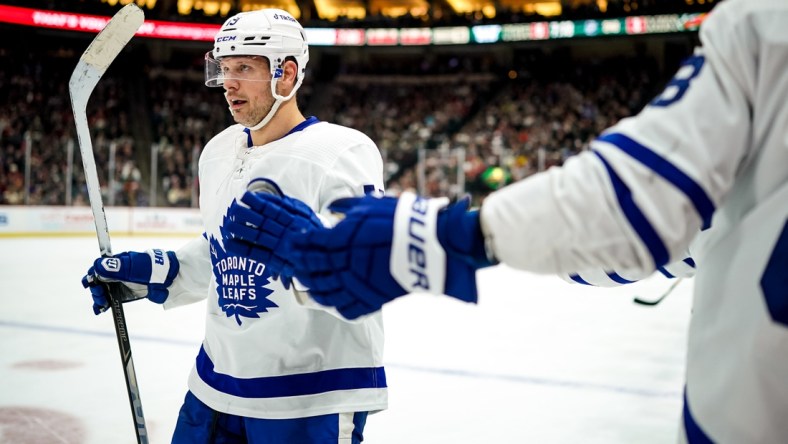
[
  {"x": 279, "y": 100},
  {"x": 268, "y": 116}
]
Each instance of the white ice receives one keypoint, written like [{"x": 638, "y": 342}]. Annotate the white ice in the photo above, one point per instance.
[{"x": 536, "y": 361}]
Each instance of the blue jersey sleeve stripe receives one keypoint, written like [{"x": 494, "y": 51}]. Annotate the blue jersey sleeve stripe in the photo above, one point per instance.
[
  {"x": 689, "y": 261},
  {"x": 636, "y": 218},
  {"x": 578, "y": 279},
  {"x": 290, "y": 385},
  {"x": 700, "y": 200},
  {"x": 665, "y": 272},
  {"x": 615, "y": 277}
]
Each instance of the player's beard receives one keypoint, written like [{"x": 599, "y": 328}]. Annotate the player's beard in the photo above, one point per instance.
[{"x": 255, "y": 112}]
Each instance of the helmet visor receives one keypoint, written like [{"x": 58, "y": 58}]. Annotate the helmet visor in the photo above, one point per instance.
[{"x": 245, "y": 68}]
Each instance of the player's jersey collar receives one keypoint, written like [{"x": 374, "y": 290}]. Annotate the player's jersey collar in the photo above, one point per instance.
[
  {"x": 300, "y": 127},
  {"x": 303, "y": 125}
]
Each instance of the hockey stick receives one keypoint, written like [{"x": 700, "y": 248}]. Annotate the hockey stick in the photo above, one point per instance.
[
  {"x": 92, "y": 65},
  {"x": 662, "y": 297}
]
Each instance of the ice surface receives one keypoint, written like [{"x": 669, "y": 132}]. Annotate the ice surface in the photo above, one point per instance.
[{"x": 536, "y": 361}]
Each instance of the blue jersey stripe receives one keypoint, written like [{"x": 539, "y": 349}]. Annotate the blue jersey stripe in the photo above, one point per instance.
[
  {"x": 617, "y": 278},
  {"x": 249, "y": 142},
  {"x": 689, "y": 262},
  {"x": 695, "y": 434},
  {"x": 311, "y": 120},
  {"x": 703, "y": 204},
  {"x": 666, "y": 273},
  {"x": 290, "y": 385},
  {"x": 300, "y": 127},
  {"x": 640, "y": 224},
  {"x": 578, "y": 279}
]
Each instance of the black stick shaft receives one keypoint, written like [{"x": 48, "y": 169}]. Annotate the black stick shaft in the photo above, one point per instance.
[{"x": 119, "y": 318}]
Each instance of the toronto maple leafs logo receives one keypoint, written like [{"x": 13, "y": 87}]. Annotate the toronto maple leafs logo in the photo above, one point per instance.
[{"x": 241, "y": 283}]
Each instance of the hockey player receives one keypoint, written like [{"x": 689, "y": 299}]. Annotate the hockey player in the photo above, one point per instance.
[
  {"x": 269, "y": 370},
  {"x": 708, "y": 155}
]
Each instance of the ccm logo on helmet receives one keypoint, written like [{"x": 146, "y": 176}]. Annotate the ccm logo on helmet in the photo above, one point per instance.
[
  {"x": 226, "y": 38},
  {"x": 285, "y": 17}
]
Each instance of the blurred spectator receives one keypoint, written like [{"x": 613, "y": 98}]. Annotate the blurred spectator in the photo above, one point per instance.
[
  {"x": 131, "y": 177},
  {"x": 14, "y": 193},
  {"x": 178, "y": 195}
]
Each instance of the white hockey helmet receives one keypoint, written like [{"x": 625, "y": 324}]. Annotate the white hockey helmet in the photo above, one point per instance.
[{"x": 270, "y": 33}]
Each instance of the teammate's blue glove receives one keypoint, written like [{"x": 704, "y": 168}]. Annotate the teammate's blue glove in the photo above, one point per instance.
[
  {"x": 262, "y": 227},
  {"x": 385, "y": 248},
  {"x": 146, "y": 275}
]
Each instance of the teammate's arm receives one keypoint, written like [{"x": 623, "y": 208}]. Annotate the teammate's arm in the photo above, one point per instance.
[{"x": 649, "y": 184}]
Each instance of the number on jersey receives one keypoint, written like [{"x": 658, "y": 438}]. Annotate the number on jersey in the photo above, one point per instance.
[{"x": 679, "y": 84}]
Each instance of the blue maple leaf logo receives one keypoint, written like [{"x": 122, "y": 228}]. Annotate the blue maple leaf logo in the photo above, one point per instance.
[{"x": 241, "y": 283}]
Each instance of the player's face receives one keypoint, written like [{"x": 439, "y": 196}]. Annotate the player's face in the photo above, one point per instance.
[{"x": 247, "y": 88}]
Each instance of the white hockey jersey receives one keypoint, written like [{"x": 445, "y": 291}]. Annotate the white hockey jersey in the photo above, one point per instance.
[
  {"x": 710, "y": 153},
  {"x": 264, "y": 355}
]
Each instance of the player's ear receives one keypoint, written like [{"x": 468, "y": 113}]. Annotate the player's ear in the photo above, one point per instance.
[{"x": 290, "y": 74}]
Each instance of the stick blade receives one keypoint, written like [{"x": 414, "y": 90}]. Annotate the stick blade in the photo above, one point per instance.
[
  {"x": 93, "y": 63},
  {"x": 652, "y": 302},
  {"x": 109, "y": 42},
  {"x": 640, "y": 301}
]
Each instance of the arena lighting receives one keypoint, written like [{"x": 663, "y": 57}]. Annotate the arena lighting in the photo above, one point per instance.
[
  {"x": 482, "y": 34},
  {"x": 42, "y": 18}
]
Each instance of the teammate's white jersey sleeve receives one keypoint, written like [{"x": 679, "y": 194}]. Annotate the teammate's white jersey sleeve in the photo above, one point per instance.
[
  {"x": 709, "y": 154},
  {"x": 651, "y": 182}
]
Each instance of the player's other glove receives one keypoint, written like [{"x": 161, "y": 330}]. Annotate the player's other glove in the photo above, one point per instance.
[
  {"x": 385, "y": 248},
  {"x": 262, "y": 226},
  {"x": 146, "y": 275}
]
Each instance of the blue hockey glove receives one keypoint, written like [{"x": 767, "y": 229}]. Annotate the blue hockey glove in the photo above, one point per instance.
[
  {"x": 385, "y": 248},
  {"x": 146, "y": 275},
  {"x": 262, "y": 227}
]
